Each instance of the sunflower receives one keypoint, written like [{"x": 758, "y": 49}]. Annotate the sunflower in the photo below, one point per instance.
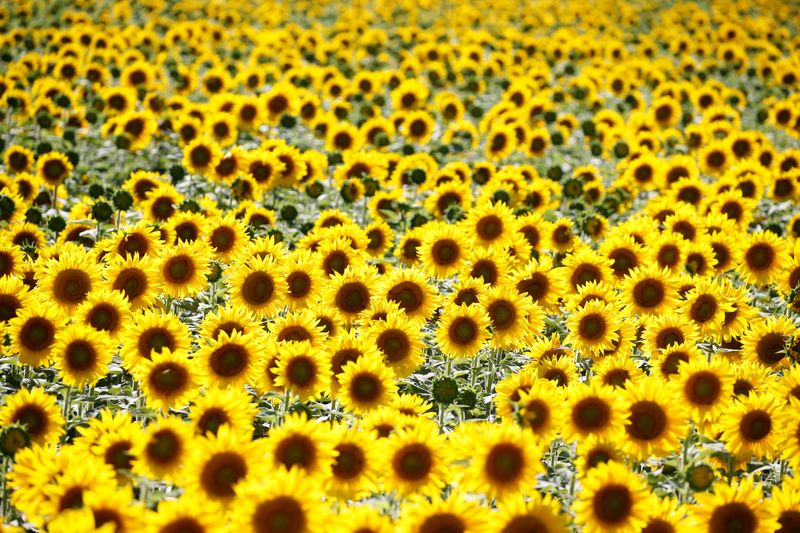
[
  {"x": 219, "y": 463},
  {"x": 736, "y": 322},
  {"x": 656, "y": 422},
  {"x": 593, "y": 327},
  {"x": 513, "y": 316},
  {"x": 502, "y": 140},
  {"x": 18, "y": 159},
  {"x": 187, "y": 227},
  {"x": 263, "y": 248},
  {"x": 666, "y": 514},
  {"x": 302, "y": 444},
  {"x": 669, "y": 251},
  {"x": 184, "y": 268},
  {"x": 381, "y": 238},
  {"x": 152, "y": 331},
  {"x": 105, "y": 311},
  {"x": 354, "y": 472},
  {"x": 33, "y": 333},
  {"x": 289, "y": 502},
  {"x": 784, "y": 503},
  {"x": 593, "y": 451},
  {"x": 442, "y": 250},
  {"x": 37, "y": 412},
  {"x": 750, "y": 427},
  {"x": 462, "y": 330},
  {"x": 765, "y": 257},
  {"x": 409, "y": 288},
  {"x": 722, "y": 239},
  {"x": 456, "y": 514},
  {"x": 490, "y": 224},
  {"x": 111, "y": 436},
  {"x": 337, "y": 254},
  {"x": 706, "y": 387},
  {"x": 343, "y": 348},
  {"x": 487, "y": 265},
  {"x": 136, "y": 278},
  {"x": 539, "y": 281},
  {"x": 259, "y": 285},
  {"x": 190, "y": 512},
  {"x": 366, "y": 384},
  {"x": 414, "y": 460},
  {"x": 736, "y": 506},
  {"x": 303, "y": 279},
  {"x": 226, "y": 236},
  {"x": 645, "y": 173},
  {"x": 161, "y": 203},
  {"x": 624, "y": 253},
  {"x": 560, "y": 236},
  {"x": 612, "y": 498},
  {"x": 278, "y": 101},
  {"x": 583, "y": 265},
  {"x": 502, "y": 461},
  {"x": 560, "y": 370},
  {"x": 138, "y": 127},
  {"x": 116, "y": 508},
  {"x": 14, "y": 296},
  {"x": 351, "y": 292},
  {"x": 361, "y": 519},
  {"x": 11, "y": 260},
  {"x": 706, "y": 306},
  {"x": 81, "y": 355},
  {"x": 53, "y": 168},
  {"x": 668, "y": 328},
  {"x": 302, "y": 370},
  {"x": 298, "y": 326},
  {"x": 595, "y": 410},
  {"x": 541, "y": 405},
  {"x": 650, "y": 291},
  {"x": 69, "y": 278},
  {"x": 408, "y": 247},
  {"x": 263, "y": 167},
  {"x": 531, "y": 513},
  {"x": 230, "y": 359},
  {"x": 164, "y": 448},
  {"x": 168, "y": 379},
  {"x": 399, "y": 342},
  {"x": 343, "y": 137},
  {"x": 617, "y": 370},
  {"x": 765, "y": 341},
  {"x": 141, "y": 239},
  {"x": 449, "y": 196},
  {"x": 220, "y": 407}
]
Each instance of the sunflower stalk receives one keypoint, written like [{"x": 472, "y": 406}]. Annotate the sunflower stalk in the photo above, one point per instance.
[
  {"x": 5, "y": 462},
  {"x": 67, "y": 402}
]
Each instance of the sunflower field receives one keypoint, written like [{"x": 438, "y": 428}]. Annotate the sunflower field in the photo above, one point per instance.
[{"x": 435, "y": 266}]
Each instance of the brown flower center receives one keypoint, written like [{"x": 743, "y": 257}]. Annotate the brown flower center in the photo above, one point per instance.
[
  {"x": 164, "y": 447},
  {"x": 755, "y": 425},
  {"x": 409, "y": 296},
  {"x": 612, "y": 504},
  {"x": 647, "y": 421},
  {"x": 733, "y": 516},
  {"x": 412, "y": 462},
  {"x": 282, "y": 514},
  {"x": 296, "y": 450},
  {"x": 221, "y": 473},
  {"x": 37, "y": 334},
  {"x": 352, "y": 297},
  {"x": 350, "y": 461},
  {"x": 591, "y": 414},
  {"x": 71, "y": 286}
]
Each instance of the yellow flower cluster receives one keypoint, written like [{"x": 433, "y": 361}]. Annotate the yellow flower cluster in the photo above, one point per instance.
[{"x": 416, "y": 265}]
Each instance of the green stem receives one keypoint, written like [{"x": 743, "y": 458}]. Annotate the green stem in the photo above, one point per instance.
[{"x": 67, "y": 402}]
